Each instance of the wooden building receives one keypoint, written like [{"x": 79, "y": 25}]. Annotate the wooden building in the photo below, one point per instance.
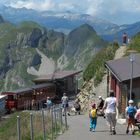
[
  {"x": 120, "y": 73},
  {"x": 34, "y": 97},
  {"x": 66, "y": 81}
]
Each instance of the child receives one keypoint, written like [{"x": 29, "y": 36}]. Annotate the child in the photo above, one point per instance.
[
  {"x": 93, "y": 117},
  {"x": 130, "y": 112}
]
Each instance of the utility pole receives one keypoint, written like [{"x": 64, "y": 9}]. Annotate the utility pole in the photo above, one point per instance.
[{"x": 131, "y": 58}]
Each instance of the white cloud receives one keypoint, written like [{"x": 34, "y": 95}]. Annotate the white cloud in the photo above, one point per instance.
[
  {"x": 97, "y": 7},
  {"x": 107, "y": 9},
  {"x": 40, "y": 5},
  {"x": 94, "y": 7}
]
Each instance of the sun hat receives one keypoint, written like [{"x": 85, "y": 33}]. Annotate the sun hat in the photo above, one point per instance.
[
  {"x": 93, "y": 105},
  {"x": 100, "y": 97},
  {"x": 131, "y": 102}
]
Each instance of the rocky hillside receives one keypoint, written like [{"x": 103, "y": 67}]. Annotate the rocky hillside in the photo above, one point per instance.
[
  {"x": 91, "y": 92},
  {"x": 19, "y": 45},
  {"x": 80, "y": 45}
]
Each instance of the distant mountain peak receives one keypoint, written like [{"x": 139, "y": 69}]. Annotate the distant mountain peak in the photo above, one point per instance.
[{"x": 84, "y": 30}]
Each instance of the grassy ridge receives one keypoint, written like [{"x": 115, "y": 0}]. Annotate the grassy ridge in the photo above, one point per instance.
[
  {"x": 135, "y": 43},
  {"x": 96, "y": 67}
]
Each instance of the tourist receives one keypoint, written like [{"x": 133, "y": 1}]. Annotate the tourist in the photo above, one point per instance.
[
  {"x": 100, "y": 105},
  {"x": 137, "y": 115},
  {"x": 93, "y": 117},
  {"x": 77, "y": 107},
  {"x": 65, "y": 104},
  {"x": 124, "y": 38},
  {"x": 130, "y": 116},
  {"x": 110, "y": 113}
]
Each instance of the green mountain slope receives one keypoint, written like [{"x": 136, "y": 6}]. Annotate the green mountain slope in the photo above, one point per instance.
[
  {"x": 96, "y": 67},
  {"x": 135, "y": 42},
  {"x": 81, "y": 44}
]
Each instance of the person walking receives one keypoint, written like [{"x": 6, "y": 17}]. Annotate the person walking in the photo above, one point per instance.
[
  {"x": 65, "y": 104},
  {"x": 49, "y": 103},
  {"x": 137, "y": 115},
  {"x": 130, "y": 116},
  {"x": 100, "y": 105},
  {"x": 93, "y": 117},
  {"x": 124, "y": 39},
  {"x": 110, "y": 113},
  {"x": 77, "y": 107}
]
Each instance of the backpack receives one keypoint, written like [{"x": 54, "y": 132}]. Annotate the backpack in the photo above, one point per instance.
[
  {"x": 93, "y": 113},
  {"x": 131, "y": 111},
  {"x": 49, "y": 103}
]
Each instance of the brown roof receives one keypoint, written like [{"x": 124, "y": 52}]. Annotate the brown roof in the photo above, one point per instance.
[
  {"x": 27, "y": 90},
  {"x": 57, "y": 75},
  {"x": 121, "y": 68}
]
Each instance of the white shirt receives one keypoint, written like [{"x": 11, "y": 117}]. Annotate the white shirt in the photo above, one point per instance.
[
  {"x": 110, "y": 104},
  {"x": 64, "y": 100}
]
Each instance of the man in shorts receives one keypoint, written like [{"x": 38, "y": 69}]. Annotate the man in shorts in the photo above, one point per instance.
[
  {"x": 65, "y": 104},
  {"x": 110, "y": 113}
]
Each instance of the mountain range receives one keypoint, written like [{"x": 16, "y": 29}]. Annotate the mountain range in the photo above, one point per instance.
[
  {"x": 22, "y": 47},
  {"x": 67, "y": 21},
  {"x": 26, "y": 32}
]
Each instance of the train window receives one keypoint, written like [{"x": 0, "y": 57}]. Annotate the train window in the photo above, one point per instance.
[
  {"x": 34, "y": 92},
  {"x": 10, "y": 97},
  {"x": 6, "y": 97},
  {"x": 18, "y": 96},
  {"x": 15, "y": 96}
]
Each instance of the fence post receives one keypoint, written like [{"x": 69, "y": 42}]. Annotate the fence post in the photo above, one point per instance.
[
  {"x": 66, "y": 124},
  {"x": 55, "y": 121},
  {"x": 43, "y": 125},
  {"x": 52, "y": 120},
  {"x": 18, "y": 128},
  {"x": 60, "y": 116},
  {"x": 31, "y": 126}
]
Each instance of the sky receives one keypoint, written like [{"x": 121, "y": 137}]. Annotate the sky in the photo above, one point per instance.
[{"x": 116, "y": 11}]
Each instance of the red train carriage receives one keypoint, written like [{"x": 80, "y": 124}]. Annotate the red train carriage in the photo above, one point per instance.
[{"x": 28, "y": 97}]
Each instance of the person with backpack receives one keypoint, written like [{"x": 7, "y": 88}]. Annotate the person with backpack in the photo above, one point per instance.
[
  {"x": 130, "y": 116},
  {"x": 49, "y": 103},
  {"x": 93, "y": 117}
]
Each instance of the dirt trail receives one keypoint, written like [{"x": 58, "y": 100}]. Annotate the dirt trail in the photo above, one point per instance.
[{"x": 120, "y": 52}]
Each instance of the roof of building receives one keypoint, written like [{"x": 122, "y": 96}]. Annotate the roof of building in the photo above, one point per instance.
[
  {"x": 122, "y": 68},
  {"x": 57, "y": 75},
  {"x": 2, "y": 96},
  {"x": 27, "y": 90}
]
